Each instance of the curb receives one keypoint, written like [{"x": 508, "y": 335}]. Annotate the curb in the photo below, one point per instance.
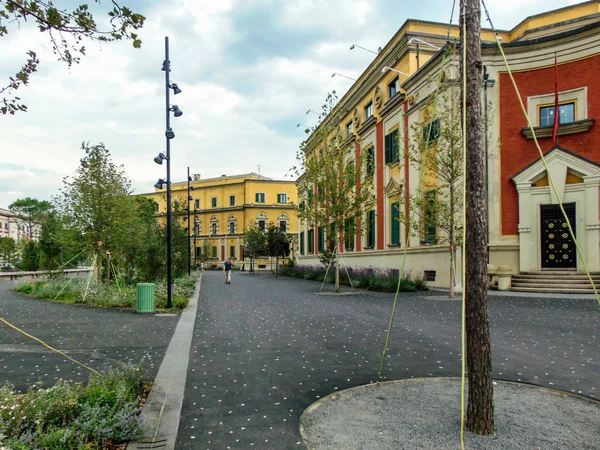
[
  {"x": 336, "y": 395},
  {"x": 166, "y": 395}
]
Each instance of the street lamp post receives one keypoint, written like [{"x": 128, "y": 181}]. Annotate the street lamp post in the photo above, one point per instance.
[
  {"x": 169, "y": 134},
  {"x": 189, "y": 198}
]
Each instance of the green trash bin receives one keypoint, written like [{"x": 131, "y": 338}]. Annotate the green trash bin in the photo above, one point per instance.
[{"x": 145, "y": 297}]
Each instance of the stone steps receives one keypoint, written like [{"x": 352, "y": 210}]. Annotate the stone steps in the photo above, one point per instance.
[{"x": 555, "y": 281}]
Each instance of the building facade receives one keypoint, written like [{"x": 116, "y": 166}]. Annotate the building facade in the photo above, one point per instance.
[
  {"x": 221, "y": 208},
  {"x": 13, "y": 227},
  {"x": 389, "y": 106}
]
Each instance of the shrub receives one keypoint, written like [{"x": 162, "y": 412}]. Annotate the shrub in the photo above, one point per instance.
[
  {"x": 382, "y": 280},
  {"x": 73, "y": 416},
  {"x": 108, "y": 295}
]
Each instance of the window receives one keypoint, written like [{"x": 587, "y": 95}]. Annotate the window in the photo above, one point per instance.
[
  {"x": 231, "y": 227},
  {"x": 198, "y": 252},
  {"x": 393, "y": 87},
  {"x": 156, "y": 209},
  {"x": 260, "y": 197},
  {"x": 349, "y": 234},
  {"x": 435, "y": 131},
  {"x": 370, "y": 152},
  {"x": 232, "y": 251},
  {"x": 430, "y": 219},
  {"x": 395, "y": 225},
  {"x": 283, "y": 226},
  {"x": 214, "y": 251},
  {"x": 281, "y": 198},
  {"x": 348, "y": 129},
  {"x": 566, "y": 114},
  {"x": 262, "y": 225},
  {"x": 311, "y": 241},
  {"x": 213, "y": 202},
  {"x": 368, "y": 110},
  {"x": 302, "y": 243},
  {"x": 214, "y": 225},
  {"x": 371, "y": 229},
  {"x": 310, "y": 197},
  {"x": 392, "y": 152},
  {"x": 232, "y": 200},
  {"x": 321, "y": 239},
  {"x": 197, "y": 204}
]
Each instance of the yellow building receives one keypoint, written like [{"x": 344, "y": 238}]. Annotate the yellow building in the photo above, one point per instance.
[
  {"x": 386, "y": 109},
  {"x": 221, "y": 207}
]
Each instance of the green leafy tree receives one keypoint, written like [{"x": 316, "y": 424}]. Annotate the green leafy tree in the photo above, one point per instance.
[
  {"x": 8, "y": 248},
  {"x": 437, "y": 149},
  {"x": 329, "y": 174},
  {"x": 30, "y": 255},
  {"x": 31, "y": 212},
  {"x": 95, "y": 200},
  {"x": 255, "y": 240},
  {"x": 66, "y": 31},
  {"x": 278, "y": 244}
]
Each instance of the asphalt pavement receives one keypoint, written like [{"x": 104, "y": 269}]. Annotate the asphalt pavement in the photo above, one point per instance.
[
  {"x": 97, "y": 337},
  {"x": 264, "y": 349}
]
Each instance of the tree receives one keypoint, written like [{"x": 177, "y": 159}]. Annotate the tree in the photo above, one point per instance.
[
  {"x": 30, "y": 255},
  {"x": 66, "y": 30},
  {"x": 278, "y": 244},
  {"x": 7, "y": 250},
  {"x": 337, "y": 182},
  {"x": 480, "y": 411},
  {"x": 30, "y": 211},
  {"x": 254, "y": 243},
  {"x": 96, "y": 200},
  {"x": 437, "y": 150}
]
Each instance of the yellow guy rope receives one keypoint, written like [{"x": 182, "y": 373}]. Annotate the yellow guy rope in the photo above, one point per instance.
[
  {"x": 463, "y": 335},
  {"x": 412, "y": 218},
  {"x": 51, "y": 348},
  {"x": 550, "y": 180}
]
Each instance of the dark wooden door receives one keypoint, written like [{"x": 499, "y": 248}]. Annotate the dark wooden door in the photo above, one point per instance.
[{"x": 558, "y": 249}]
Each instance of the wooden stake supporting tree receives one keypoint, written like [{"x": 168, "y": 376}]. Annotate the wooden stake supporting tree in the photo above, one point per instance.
[{"x": 480, "y": 410}]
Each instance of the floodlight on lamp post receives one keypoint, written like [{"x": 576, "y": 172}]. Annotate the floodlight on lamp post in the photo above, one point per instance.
[
  {"x": 386, "y": 68},
  {"x": 421, "y": 41},
  {"x": 353, "y": 46},
  {"x": 160, "y": 158},
  {"x": 311, "y": 111},
  {"x": 340, "y": 75},
  {"x": 170, "y": 134},
  {"x": 159, "y": 183}
]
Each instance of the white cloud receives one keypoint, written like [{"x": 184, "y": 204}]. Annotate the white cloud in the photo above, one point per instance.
[{"x": 235, "y": 117}]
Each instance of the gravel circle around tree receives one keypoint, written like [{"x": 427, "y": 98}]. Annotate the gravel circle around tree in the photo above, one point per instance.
[{"x": 425, "y": 413}]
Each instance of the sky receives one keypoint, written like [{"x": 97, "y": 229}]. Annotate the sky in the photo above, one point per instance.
[{"x": 249, "y": 70}]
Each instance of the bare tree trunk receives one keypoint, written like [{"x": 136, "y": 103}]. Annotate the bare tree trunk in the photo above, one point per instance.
[
  {"x": 480, "y": 412},
  {"x": 99, "y": 265},
  {"x": 337, "y": 269},
  {"x": 452, "y": 271},
  {"x": 277, "y": 266}
]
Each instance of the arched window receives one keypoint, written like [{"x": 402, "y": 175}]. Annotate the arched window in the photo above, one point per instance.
[
  {"x": 283, "y": 220},
  {"x": 232, "y": 224},
  {"x": 262, "y": 220},
  {"x": 214, "y": 225}
]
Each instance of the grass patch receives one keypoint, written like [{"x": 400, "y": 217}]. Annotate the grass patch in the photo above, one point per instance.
[
  {"x": 69, "y": 415},
  {"x": 107, "y": 295},
  {"x": 381, "y": 280}
]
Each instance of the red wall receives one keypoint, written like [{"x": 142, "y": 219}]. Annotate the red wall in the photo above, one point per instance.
[{"x": 517, "y": 151}]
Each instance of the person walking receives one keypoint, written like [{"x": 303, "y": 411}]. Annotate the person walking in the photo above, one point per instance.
[{"x": 227, "y": 267}]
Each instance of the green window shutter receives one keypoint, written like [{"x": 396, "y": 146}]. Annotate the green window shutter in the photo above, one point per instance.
[
  {"x": 302, "y": 243},
  {"x": 371, "y": 228},
  {"x": 388, "y": 149},
  {"x": 214, "y": 252},
  {"x": 321, "y": 239},
  {"x": 257, "y": 198},
  {"x": 430, "y": 229},
  {"x": 395, "y": 146},
  {"x": 349, "y": 234},
  {"x": 395, "y": 223},
  {"x": 311, "y": 242}
]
